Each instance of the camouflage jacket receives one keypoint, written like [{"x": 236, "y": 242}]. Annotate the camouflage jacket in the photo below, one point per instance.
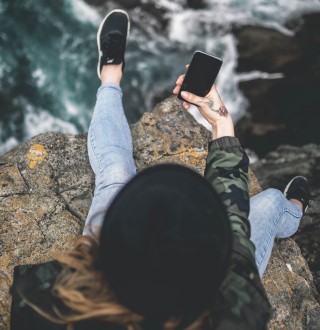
[{"x": 242, "y": 303}]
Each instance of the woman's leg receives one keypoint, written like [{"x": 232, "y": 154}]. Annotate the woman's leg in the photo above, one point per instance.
[
  {"x": 110, "y": 153},
  {"x": 109, "y": 136},
  {"x": 271, "y": 216}
]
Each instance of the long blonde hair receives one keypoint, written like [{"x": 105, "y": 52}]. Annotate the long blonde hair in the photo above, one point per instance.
[{"x": 82, "y": 287}]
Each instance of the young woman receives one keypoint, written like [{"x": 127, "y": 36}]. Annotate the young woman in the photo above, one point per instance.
[{"x": 166, "y": 248}]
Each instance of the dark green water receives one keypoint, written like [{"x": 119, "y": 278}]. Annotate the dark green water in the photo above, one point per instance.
[
  {"x": 48, "y": 65},
  {"x": 48, "y": 59}
]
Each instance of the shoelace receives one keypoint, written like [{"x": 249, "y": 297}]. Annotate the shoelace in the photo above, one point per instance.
[{"x": 111, "y": 46}]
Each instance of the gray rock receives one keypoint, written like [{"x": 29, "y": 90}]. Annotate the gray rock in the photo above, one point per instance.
[
  {"x": 46, "y": 188},
  {"x": 276, "y": 170},
  {"x": 285, "y": 110},
  {"x": 290, "y": 289},
  {"x": 45, "y": 192}
]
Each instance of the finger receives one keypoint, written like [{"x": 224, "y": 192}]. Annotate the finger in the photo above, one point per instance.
[
  {"x": 187, "y": 66},
  {"x": 176, "y": 90},
  {"x": 186, "y": 105},
  {"x": 191, "y": 98},
  {"x": 180, "y": 79}
]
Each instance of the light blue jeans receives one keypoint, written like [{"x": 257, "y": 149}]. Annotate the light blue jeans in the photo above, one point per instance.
[{"x": 110, "y": 154}]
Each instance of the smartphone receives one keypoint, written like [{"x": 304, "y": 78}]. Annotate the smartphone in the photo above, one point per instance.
[{"x": 201, "y": 74}]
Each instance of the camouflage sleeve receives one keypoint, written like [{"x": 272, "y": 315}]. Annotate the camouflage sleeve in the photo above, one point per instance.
[
  {"x": 33, "y": 282},
  {"x": 227, "y": 171}
]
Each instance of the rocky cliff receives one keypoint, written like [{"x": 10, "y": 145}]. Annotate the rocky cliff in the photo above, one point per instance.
[
  {"x": 283, "y": 110},
  {"x": 275, "y": 170},
  {"x": 46, "y": 187}
]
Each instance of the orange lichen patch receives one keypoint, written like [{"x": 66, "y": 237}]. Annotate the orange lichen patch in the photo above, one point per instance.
[
  {"x": 5, "y": 260},
  {"x": 37, "y": 153},
  {"x": 194, "y": 153},
  {"x": 193, "y": 157}
]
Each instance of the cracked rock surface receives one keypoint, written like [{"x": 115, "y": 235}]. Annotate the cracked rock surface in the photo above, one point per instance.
[
  {"x": 45, "y": 192},
  {"x": 46, "y": 187}
]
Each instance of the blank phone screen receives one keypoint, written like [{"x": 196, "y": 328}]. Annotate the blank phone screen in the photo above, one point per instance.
[{"x": 201, "y": 74}]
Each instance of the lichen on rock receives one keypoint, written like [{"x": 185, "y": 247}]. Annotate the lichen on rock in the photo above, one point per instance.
[{"x": 43, "y": 208}]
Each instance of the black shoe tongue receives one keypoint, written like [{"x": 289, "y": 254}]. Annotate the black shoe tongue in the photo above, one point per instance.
[
  {"x": 114, "y": 37},
  {"x": 112, "y": 45}
]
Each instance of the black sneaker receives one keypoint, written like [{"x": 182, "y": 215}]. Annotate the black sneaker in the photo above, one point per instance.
[
  {"x": 298, "y": 188},
  {"x": 112, "y": 37}
]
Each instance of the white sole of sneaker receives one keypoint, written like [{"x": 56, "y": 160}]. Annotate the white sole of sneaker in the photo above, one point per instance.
[
  {"x": 99, "y": 32},
  {"x": 287, "y": 188},
  {"x": 288, "y": 185}
]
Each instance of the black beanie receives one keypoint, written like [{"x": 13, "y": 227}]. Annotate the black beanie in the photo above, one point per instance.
[{"x": 166, "y": 241}]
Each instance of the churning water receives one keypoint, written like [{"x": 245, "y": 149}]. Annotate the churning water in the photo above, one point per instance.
[{"x": 48, "y": 58}]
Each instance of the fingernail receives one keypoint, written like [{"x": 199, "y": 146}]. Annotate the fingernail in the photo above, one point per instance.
[{"x": 185, "y": 94}]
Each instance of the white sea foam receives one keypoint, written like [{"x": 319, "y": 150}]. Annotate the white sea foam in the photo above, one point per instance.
[
  {"x": 40, "y": 77},
  {"x": 36, "y": 123},
  {"x": 227, "y": 82},
  {"x": 184, "y": 24},
  {"x": 72, "y": 109},
  {"x": 10, "y": 143},
  {"x": 170, "y": 5},
  {"x": 261, "y": 12},
  {"x": 258, "y": 75},
  {"x": 85, "y": 13}
]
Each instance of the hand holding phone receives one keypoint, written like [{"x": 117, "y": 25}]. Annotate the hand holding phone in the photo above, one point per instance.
[
  {"x": 201, "y": 74},
  {"x": 207, "y": 99}
]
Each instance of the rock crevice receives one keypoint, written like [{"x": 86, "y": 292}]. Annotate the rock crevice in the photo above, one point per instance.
[{"x": 46, "y": 187}]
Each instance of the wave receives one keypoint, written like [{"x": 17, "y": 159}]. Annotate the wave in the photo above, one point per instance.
[{"x": 56, "y": 41}]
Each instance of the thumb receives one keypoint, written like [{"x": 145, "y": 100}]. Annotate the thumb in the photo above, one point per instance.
[{"x": 192, "y": 98}]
